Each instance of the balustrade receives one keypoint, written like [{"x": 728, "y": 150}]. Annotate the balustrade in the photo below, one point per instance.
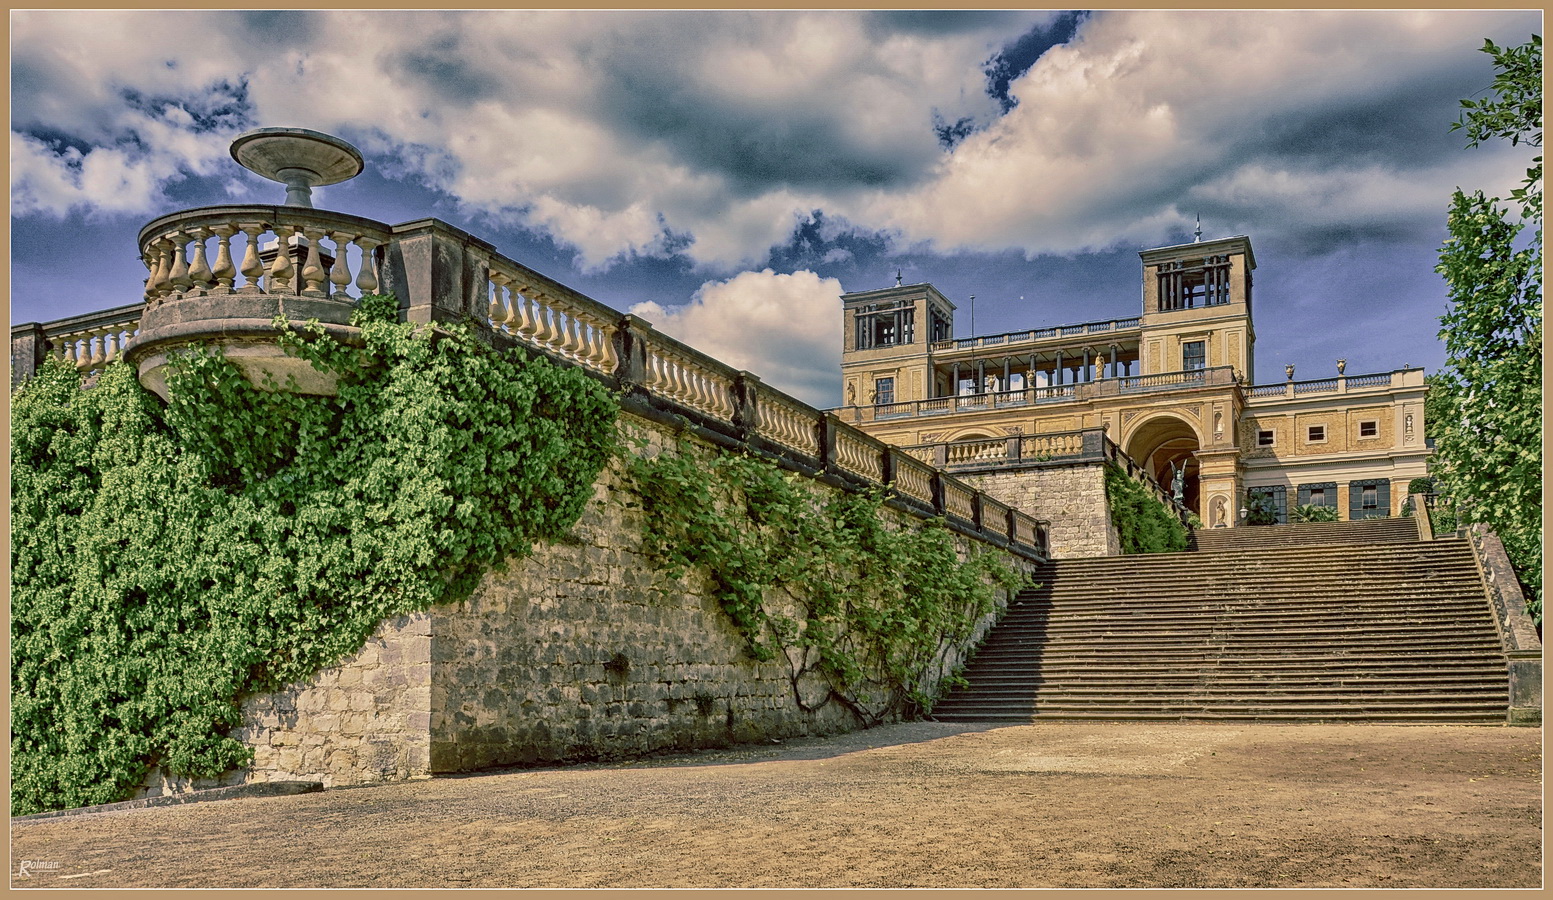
[
  {"x": 543, "y": 314},
  {"x": 859, "y": 456},
  {"x": 783, "y": 421},
  {"x": 913, "y": 478},
  {"x": 959, "y": 500},
  {"x": 175, "y": 250},
  {"x": 1037, "y": 334}
]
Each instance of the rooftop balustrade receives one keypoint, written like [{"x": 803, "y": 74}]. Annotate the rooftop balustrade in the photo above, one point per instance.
[
  {"x": 1110, "y": 326},
  {"x": 1342, "y": 384}
]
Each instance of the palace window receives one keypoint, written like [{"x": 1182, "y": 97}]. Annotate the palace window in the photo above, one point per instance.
[
  {"x": 1193, "y": 355},
  {"x": 1264, "y": 437},
  {"x": 1316, "y": 434},
  {"x": 1267, "y": 505},
  {"x": 1369, "y": 498},
  {"x": 884, "y": 390},
  {"x": 1369, "y": 429},
  {"x": 1321, "y": 494}
]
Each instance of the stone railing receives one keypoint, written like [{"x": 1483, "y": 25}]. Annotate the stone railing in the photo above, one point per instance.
[
  {"x": 90, "y": 341},
  {"x": 197, "y": 290},
  {"x": 1342, "y": 384},
  {"x": 177, "y": 252},
  {"x": 1038, "y": 334},
  {"x": 1083, "y": 447},
  {"x": 1217, "y": 377}
]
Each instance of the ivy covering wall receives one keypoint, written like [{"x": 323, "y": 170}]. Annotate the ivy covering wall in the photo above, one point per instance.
[
  {"x": 819, "y": 579},
  {"x": 168, "y": 561},
  {"x": 1143, "y": 524}
]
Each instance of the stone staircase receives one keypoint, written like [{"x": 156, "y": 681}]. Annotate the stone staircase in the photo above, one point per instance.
[
  {"x": 1362, "y": 531},
  {"x": 1348, "y": 624}
]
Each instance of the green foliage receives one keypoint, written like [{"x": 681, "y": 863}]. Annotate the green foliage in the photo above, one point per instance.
[
  {"x": 167, "y": 562},
  {"x": 1143, "y": 523},
  {"x": 1261, "y": 509},
  {"x": 823, "y": 582},
  {"x": 1313, "y": 512},
  {"x": 1486, "y": 402}
]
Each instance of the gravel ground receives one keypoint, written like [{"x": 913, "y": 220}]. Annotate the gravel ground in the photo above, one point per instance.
[{"x": 913, "y": 805}]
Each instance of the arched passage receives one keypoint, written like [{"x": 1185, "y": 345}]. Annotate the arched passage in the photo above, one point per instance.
[{"x": 1163, "y": 442}]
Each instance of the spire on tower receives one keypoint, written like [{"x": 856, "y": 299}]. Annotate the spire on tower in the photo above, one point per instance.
[{"x": 1199, "y": 230}]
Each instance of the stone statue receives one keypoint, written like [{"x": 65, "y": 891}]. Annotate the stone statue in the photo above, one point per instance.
[{"x": 1178, "y": 481}]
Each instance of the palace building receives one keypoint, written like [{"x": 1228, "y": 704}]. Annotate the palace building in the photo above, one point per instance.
[{"x": 1170, "y": 387}]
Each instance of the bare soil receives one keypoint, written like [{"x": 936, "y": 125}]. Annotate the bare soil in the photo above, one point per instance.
[{"x": 912, "y": 805}]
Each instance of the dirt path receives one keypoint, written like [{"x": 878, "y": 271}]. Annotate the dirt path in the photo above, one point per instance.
[{"x": 916, "y": 805}]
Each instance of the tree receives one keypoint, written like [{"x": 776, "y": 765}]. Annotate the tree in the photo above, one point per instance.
[{"x": 1488, "y": 396}]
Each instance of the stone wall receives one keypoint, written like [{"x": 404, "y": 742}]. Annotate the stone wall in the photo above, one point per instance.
[
  {"x": 581, "y": 651},
  {"x": 1071, "y": 497}
]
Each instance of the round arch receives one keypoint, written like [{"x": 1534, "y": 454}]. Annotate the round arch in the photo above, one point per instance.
[
  {"x": 971, "y": 434},
  {"x": 1160, "y": 444}
]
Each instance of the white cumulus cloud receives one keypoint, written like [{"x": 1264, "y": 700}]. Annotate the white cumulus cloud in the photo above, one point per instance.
[{"x": 784, "y": 328}]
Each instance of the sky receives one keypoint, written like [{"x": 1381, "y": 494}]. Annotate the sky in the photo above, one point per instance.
[{"x": 727, "y": 175}]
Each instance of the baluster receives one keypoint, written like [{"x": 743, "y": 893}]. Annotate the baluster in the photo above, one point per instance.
[
  {"x": 149, "y": 259},
  {"x": 281, "y": 269},
  {"x": 574, "y": 341},
  {"x": 544, "y": 335},
  {"x": 72, "y": 352},
  {"x": 223, "y": 271},
  {"x": 679, "y": 379},
  {"x": 112, "y": 352},
  {"x": 530, "y": 323},
  {"x": 179, "y": 276},
  {"x": 367, "y": 281},
  {"x": 199, "y": 269},
  {"x": 592, "y": 347},
  {"x": 340, "y": 273},
  {"x": 95, "y": 341},
  {"x": 313, "y": 275},
  {"x": 499, "y": 313},
  {"x": 253, "y": 267}
]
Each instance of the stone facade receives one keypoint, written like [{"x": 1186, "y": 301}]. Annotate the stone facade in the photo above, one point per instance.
[
  {"x": 1072, "y": 497},
  {"x": 1171, "y": 386},
  {"x": 581, "y": 651}
]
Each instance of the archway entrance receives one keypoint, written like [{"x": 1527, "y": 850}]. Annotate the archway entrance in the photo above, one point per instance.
[{"x": 1164, "y": 443}]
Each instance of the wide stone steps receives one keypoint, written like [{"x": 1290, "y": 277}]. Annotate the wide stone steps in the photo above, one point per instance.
[
  {"x": 1389, "y": 631},
  {"x": 1363, "y": 531}
]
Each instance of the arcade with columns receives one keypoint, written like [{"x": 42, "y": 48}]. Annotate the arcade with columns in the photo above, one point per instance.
[{"x": 1169, "y": 387}]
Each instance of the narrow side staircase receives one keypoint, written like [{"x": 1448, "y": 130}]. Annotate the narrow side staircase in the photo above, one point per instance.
[{"x": 1335, "y": 628}]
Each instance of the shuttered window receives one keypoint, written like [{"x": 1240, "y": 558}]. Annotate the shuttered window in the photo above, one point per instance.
[
  {"x": 1369, "y": 498},
  {"x": 1280, "y": 500},
  {"x": 1319, "y": 494}
]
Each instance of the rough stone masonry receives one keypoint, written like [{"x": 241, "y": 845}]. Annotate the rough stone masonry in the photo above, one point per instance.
[{"x": 579, "y": 652}]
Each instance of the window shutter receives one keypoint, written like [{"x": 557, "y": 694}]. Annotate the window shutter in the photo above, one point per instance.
[
  {"x": 1383, "y": 492},
  {"x": 1355, "y": 500}
]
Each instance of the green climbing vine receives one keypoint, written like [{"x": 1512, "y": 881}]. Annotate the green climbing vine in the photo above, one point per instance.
[
  {"x": 1143, "y": 524},
  {"x": 818, "y": 578},
  {"x": 168, "y": 561}
]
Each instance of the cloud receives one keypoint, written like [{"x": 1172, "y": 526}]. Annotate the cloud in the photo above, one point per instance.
[
  {"x": 1117, "y": 135},
  {"x": 711, "y": 136},
  {"x": 620, "y": 134},
  {"x": 784, "y": 328}
]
